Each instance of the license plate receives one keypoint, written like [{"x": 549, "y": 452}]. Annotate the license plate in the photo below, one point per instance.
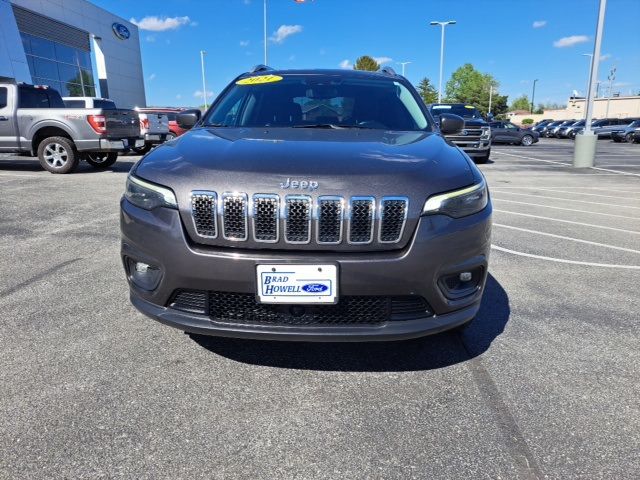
[
  {"x": 139, "y": 143},
  {"x": 153, "y": 137},
  {"x": 297, "y": 283}
]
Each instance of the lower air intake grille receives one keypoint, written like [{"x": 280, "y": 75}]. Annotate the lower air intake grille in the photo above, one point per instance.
[{"x": 242, "y": 308}]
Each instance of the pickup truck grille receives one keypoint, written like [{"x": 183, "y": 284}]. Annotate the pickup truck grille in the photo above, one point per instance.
[{"x": 325, "y": 220}]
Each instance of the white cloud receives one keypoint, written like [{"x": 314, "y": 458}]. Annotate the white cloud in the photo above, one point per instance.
[
  {"x": 285, "y": 31},
  {"x": 346, "y": 64},
  {"x": 604, "y": 57},
  {"x": 383, "y": 60},
  {"x": 539, "y": 24},
  {"x": 244, "y": 43},
  {"x": 160, "y": 24},
  {"x": 152, "y": 76},
  {"x": 198, "y": 94},
  {"x": 570, "y": 41}
]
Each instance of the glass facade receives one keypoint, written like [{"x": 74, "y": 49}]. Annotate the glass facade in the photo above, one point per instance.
[{"x": 59, "y": 66}]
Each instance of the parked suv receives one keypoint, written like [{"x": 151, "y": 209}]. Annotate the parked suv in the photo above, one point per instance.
[
  {"x": 309, "y": 205},
  {"x": 625, "y": 134},
  {"x": 603, "y": 129},
  {"x": 475, "y": 137},
  {"x": 507, "y": 132},
  {"x": 34, "y": 121}
]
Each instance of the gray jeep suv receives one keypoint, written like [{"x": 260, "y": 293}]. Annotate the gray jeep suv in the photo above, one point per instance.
[{"x": 316, "y": 205}]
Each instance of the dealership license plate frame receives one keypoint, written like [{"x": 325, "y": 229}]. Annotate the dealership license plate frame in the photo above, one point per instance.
[{"x": 300, "y": 275}]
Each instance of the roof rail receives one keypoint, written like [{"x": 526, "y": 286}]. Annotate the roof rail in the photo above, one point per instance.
[
  {"x": 260, "y": 68},
  {"x": 388, "y": 71}
]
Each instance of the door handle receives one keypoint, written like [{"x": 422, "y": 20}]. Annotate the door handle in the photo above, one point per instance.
[{"x": 3, "y": 118}]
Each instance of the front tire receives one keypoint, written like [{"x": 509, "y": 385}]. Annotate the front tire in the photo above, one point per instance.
[
  {"x": 484, "y": 158},
  {"x": 58, "y": 155},
  {"x": 526, "y": 140},
  {"x": 101, "y": 160},
  {"x": 628, "y": 138},
  {"x": 142, "y": 150}
]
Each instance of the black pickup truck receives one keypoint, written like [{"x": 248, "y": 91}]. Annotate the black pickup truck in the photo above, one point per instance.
[{"x": 475, "y": 138}]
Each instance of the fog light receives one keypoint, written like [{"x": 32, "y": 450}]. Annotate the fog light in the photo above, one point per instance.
[
  {"x": 466, "y": 276},
  {"x": 143, "y": 275}
]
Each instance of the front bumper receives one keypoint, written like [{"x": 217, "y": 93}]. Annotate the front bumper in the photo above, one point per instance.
[
  {"x": 440, "y": 246},
  {"x": 474, "y": 148}
]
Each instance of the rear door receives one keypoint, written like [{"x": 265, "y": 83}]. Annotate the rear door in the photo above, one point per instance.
[
  {"x": 497, "y": 132},
  {"x": 511, "y": 133},
  {"x": 8, "y": 132}
]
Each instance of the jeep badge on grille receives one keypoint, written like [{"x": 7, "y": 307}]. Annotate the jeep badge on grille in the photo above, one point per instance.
[{"x": 299, "y": 184}]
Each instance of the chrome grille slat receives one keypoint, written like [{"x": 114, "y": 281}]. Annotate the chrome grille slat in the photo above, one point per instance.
[
  {"x": 297, "y": 215},
  {"x": 361, "y": 220},
  {"x": 329, "y": 220},
  {"x": 393, "y": 217},
  {"x": 203, "y": 213},
  {"x": 265, "y": 215},
  {"x": 234, "y": 216}
]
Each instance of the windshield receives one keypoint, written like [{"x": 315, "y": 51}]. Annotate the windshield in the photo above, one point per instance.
[
  {"x": 634, "y": 124},
  {"x": 465, "y": 111},
  {"x": 318, "y": 101}
]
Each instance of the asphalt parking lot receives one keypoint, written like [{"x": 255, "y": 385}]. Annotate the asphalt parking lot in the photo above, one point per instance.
[{"x": 544, "y": 384}]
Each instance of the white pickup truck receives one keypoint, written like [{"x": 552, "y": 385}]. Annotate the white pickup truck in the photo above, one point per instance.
[
  {"x": 154, "y": 127},
  {"x": 35, "y": 121}
]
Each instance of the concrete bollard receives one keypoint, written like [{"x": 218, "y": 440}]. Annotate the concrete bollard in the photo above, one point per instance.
[{"x": 584, "y": 151}]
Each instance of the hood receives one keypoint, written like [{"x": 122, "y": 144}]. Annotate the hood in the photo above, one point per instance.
[{"x": 344, "y": 163}]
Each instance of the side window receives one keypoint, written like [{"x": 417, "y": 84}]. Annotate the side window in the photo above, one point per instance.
[
  {"x": 33, "y": 98},
  {"x": 3, "y": 97},
  {"x": 74, "y": 103}
]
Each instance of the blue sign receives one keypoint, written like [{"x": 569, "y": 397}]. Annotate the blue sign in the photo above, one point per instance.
[
  {"x": 315, "y": 288},
  {"x": 121, "y": 31}
]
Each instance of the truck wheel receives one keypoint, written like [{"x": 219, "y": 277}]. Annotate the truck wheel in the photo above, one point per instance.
[
  {"x": 58, "y": 155},
  {"x": 485, "y": 158},
  {"x": 142, "y": 150},
  {"x": 101, "y": 160},
  {"x": 170, "y": 136},
  {"x": 628, "y": 138},
  {"x": 527, "y": 140}
]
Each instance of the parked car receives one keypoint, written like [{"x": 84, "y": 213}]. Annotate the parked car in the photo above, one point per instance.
[
  {"x": 334, "y": 209},
  {"x": 603, "y": 130},
  {"x": 35, "y": 121},
  {"x": 636, "y": 136},
  {"x": 507, "y": 132},
  {"x": 475, "y": 138},
  {"x": 538, "y": 127},
  {"x": 174, "y": 129},
  {"x": 625, "y": 134},
  {"x": 553, "y": 132},
  {"x": 546, "y": 130},
  {"x": 569, "y": 131},
  {"x": 154, "y": 128},
  {"x": 543, "y": 122}
]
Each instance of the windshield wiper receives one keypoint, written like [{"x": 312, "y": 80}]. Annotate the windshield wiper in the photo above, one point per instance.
[{"x": 320, "y": 125}]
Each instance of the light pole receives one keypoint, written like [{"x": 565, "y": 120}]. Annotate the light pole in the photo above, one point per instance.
[
  {"x": 204, "y": 85},
  {"x": 264, "y": 18},
  {"x": 490, "y": 98},
  {"x": 585, "y": 145},
  {"x": 403, "y": 64},
  {"x": 533, "y": 94},
  {"x": 590, "y": 55},
  {"x": 611, "y": 77},
  {"x": 442, "y": 25}
]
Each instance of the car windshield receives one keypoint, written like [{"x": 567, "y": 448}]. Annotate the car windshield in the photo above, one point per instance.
[
  {"x": 634, "y": 124},
  {"x": 465, "y": 111},
  {"x": 318, "y": 101}
]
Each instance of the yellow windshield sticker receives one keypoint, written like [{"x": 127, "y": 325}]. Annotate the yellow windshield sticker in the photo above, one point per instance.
[
  {"x": 469, "y": 106},
  {"x": 259, "y": 79}
]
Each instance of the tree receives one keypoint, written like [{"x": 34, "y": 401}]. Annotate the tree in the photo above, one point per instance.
[
  {"x": 521, "y": 103},
  {"x": 427, "y": 91},
  {"x": 468, "y": 85},
  {"x": 366, "y": 63}
]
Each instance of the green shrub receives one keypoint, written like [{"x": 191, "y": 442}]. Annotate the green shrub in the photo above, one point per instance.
[{"x": 527, "y": 121}]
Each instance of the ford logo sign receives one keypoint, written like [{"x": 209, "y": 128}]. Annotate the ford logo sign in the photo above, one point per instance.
[
  {"x": 120, "y": 31},
  {"x": 464, "y": 132},
  {"x": 315, "y": 288}
]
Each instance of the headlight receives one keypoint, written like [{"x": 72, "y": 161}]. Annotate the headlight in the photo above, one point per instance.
[
  {"x": 459, "y": 203},
  {"x": 148, "y": 195},
  {"x": 486, "y": 133}
]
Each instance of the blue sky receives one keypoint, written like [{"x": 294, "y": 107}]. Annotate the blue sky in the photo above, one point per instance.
[{"x": 514, "y": 40}]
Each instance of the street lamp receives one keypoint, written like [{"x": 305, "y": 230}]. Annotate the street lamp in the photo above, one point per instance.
[
  {"x": 533, "y": 94},
  {"x": 403, "y": 64},
  {"x": 442, "y": 25},
  {"x": 204, "y": 85},
  {"x": 590, "y": 55}
]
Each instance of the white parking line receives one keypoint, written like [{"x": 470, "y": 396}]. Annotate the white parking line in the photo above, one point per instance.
[
  {"x": 568, "y": 164},
  {"x": 567, "y": 221},
  {"x": 572, "y": 200},
  {"x": 20, "y": 175},
  {"x": 568, "y": 188},
  {"x": 581, "y": 193},
  {"x": 566, "y": 209},
  {"x": 563, "y": 260},
  {"x": 562, "y": 237}
]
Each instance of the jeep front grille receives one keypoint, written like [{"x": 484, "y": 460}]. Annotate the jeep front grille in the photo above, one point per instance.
[{"x": 329, "y": 220}]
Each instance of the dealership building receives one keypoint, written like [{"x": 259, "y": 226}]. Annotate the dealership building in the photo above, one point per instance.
[{"x": 73, "y": 46}]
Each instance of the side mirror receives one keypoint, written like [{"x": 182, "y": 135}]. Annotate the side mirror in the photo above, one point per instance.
[
  {"x": 450, "y": 124},
  {"x": 188, "y": 118}
]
